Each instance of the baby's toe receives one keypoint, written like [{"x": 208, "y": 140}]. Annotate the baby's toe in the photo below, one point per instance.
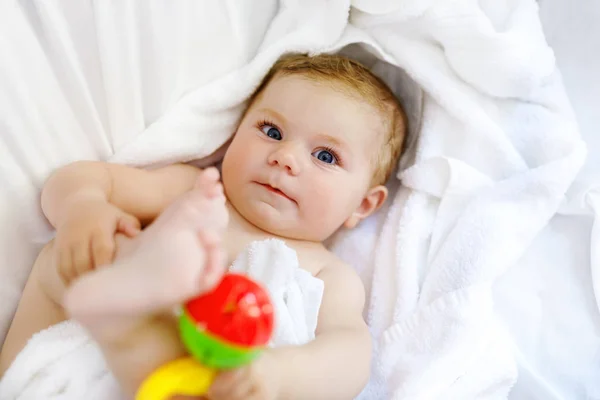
[{"x": 207, "y": 178}]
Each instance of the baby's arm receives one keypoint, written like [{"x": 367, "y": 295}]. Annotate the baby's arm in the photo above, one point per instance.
[
  {"x": 336, "y": 365},
  {"x": 89, "y": 202},
  {"x": 142, "y": 193}
]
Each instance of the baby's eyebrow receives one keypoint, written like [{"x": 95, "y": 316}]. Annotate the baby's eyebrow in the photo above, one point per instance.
[
  {"x": 271, "y": 112},
  {"x": 333, "y": 140}
]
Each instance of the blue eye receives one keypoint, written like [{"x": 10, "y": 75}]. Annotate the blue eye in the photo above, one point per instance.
[
  {"x": 325, "y": 156},
  {"x": 271, "y": 132}
]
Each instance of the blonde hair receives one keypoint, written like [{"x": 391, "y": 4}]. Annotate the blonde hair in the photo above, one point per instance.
[{"x": 357, "y": 80}]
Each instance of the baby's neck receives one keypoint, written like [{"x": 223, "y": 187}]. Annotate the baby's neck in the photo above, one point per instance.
[
  {"x": 239, "y": 224},
  {"x": 241, "y": 232}
]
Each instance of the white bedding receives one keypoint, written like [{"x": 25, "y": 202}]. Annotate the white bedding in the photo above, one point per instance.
[
  {"x": 128, "y": 82},
  {"x": 547, "y": 300}
]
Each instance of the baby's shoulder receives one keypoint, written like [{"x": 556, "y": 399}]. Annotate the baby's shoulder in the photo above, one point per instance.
[
  {"x": 335, "y": 268},
  {"x": 334, "y": 272},
  {"x": 314, "y": 257},
  {"x": 343, "y": 287}
]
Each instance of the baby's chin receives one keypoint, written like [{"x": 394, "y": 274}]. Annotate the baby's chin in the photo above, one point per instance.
[{"x": 286, "y": 224}]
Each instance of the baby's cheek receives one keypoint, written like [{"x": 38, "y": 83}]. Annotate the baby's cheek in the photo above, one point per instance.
[{"x": 327, "y": 206}]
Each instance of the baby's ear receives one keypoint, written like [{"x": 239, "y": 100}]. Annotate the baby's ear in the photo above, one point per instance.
[{"x": 374, "y": 199}]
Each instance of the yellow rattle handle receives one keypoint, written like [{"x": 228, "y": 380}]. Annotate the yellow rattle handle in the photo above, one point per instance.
[{"x": 184, "y": 376}]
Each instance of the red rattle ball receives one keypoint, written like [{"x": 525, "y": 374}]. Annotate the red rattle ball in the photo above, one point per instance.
[
  {"x": 223, "y": 329},
  {"x": 229, "y": 326}
]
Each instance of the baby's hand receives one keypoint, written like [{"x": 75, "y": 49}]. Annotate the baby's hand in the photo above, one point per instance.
[
  {"x": 85, "y": 238},
  {"x": 257, "y": 381}
]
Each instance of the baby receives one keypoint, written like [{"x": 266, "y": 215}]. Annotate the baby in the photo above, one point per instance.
[{"x": 317, "y": 142}]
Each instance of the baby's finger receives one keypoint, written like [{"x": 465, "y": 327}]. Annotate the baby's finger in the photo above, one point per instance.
[
  {"x": 221, "y": 387},
  {"x": 254, "y": 394},
  {"x": 128, "y": 225},
  {"x": 80, "y": 256},
  {"x": 103, "y": 248},
  {"x": 242, "y": 389},
  {"x": 63, "y": 264}
]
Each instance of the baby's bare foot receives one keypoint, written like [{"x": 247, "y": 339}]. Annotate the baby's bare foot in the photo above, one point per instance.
[{"x": 177, "y": 257}]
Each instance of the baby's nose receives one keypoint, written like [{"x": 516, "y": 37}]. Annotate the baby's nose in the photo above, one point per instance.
[{"x": 286, "y": 157}]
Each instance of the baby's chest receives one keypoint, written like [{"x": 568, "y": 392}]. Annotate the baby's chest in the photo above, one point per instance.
[{"x": 236, "y": 241}]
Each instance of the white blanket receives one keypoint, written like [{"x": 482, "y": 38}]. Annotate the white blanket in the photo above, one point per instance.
[
  {"x": 498, "y": 144},
  {"x": 62, "y": 362},
  {"x": 498, "y": 148}
]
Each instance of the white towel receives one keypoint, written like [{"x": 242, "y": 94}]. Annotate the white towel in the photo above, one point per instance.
[
  {"x": 498, "y": 148},
  {"x": 292, "y": 289},
  {"x": 62, "y": 362}
]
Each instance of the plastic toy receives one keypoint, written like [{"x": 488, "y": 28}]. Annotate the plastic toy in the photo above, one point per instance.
[{"x": 223, "y": 329}]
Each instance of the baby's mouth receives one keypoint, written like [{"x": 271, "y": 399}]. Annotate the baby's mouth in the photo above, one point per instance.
[{"x": 276, "y": 191}]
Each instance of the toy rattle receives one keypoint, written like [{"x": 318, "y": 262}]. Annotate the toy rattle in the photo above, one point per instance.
[{"x": 226, "y": 328}]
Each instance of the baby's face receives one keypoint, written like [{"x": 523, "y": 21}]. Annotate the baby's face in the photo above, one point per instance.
[{"x": 302, "y": 158}]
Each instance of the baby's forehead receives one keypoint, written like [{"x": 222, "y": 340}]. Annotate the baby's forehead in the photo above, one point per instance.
[
  {"x": 364, "y": 108},
  {"x": 327, "y": 105}
]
